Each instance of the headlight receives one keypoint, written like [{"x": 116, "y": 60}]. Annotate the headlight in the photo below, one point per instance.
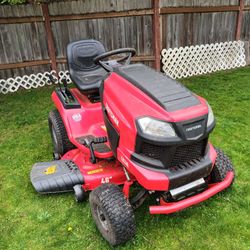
[
  {"x": 210, "y": 119},
  {"x": 156, "y": 128}
]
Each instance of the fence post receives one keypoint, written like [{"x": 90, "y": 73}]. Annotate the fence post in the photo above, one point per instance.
[
  {"x": 49, "y": 36},
  {"x": 239, "y": 20},
  {"x": 156, "y": 34}
]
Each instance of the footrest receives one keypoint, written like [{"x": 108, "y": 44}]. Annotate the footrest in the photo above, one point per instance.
[
  {"x": 55, "y": 176},
  {"x": 100, "y": 147}
]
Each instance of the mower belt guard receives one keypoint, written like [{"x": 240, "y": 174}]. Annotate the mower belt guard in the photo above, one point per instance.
[{"x": 55, "y": 176}]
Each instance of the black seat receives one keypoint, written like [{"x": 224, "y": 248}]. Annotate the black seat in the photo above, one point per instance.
[{"x": 86, "y": 75}]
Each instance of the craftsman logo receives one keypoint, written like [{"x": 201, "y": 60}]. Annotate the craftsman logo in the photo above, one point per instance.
[
  {"x": 77, "y": 117},
  {"x": 193, "y": 128},
  {"x": 111, "y": 114}
]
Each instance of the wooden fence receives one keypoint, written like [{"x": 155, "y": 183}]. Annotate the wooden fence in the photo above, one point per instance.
[{"x": 33, "y": 38}]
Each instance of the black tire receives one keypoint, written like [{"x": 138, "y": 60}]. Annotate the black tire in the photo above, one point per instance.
[
  {"x": 112, "y": 213},
  {"x": 222, "y": 166},
  {"x": 60, "y": 140},
  {"x": 80, "y": 194}
]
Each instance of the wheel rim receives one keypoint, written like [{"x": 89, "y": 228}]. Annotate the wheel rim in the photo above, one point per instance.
[{"x": 102, "y": 218}]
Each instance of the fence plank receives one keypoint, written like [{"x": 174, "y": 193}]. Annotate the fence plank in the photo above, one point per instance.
[
  {"x": 27, "y": 10},
  {"x": 195, "y": 28},
  {"x": 112, "y": 32}
]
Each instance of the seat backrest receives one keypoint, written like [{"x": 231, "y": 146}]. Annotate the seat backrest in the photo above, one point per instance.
[{"x": 83, "y": 71}]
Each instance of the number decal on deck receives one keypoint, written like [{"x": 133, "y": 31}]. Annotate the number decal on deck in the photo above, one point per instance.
[{"x": 106, "y": 179}]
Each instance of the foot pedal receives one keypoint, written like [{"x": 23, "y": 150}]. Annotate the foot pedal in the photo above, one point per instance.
[
  {"x": 97, "y": 140},
  {"x": 98, "y": 143},
  {"x": 55, "y": 176},
  {"x": 92, "y": 143}
]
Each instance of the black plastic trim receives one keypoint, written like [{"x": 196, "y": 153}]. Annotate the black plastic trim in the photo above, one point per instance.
[
  {"x": 194, "y": 172},
  {"x": 184, "y": 175},
  {"x": 113, "y": 134},
  {"x": 182, "y": 136},
  {"x": 168, "y": 146},
  {"x": 165, "y": 91},
  {"x": 67, "y": 99}
]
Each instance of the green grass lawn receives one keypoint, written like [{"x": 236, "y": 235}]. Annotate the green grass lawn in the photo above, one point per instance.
[{"x": 32, "y": 221}]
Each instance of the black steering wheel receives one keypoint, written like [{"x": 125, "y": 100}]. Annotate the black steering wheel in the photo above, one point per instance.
[{"x": 109, "y": 65}]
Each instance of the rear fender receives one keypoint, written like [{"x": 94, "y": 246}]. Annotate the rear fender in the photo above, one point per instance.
[{"x": 88, "y": 119}]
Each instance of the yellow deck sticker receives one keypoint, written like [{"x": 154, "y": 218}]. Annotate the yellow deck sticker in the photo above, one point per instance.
[
  {"x": 95, "y": 171},
  {"x": 50, "y": 170}
]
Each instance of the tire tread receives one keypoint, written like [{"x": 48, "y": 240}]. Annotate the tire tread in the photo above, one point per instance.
[
  {"x": 118, "y": 210},
  {"x": 222, "y": 166},
  {"x": 56, "y": 121}
]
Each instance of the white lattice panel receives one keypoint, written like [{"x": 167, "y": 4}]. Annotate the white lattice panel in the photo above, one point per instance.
[
  {"x": 31, "y": 81},
  {"x": 202, "y": 59}
]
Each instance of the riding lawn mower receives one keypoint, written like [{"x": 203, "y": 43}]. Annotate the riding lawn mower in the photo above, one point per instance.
[{"x": 127, "y": 132}]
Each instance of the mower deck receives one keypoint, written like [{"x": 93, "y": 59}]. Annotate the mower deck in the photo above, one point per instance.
[{"x": 55, "y": 176}]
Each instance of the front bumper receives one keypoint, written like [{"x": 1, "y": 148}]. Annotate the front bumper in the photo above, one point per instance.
[{"x": 172, "y": 207}]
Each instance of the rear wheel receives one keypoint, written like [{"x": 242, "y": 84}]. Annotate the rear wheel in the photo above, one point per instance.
[
  {"x": 60, "y": 140},
  {"x": 222, "y": 166},
  {"x": 112, "y": 213}
]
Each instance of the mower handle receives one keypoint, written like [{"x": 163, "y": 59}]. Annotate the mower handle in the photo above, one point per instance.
[{"x": 106, "y": 65}]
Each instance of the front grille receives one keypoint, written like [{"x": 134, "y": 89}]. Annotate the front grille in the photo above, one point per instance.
[
  {"x": 174, "y": 155},
  {"x": 186, "y": 165},
  {"x": 152, "y": 151},
  {"x": 189, "y": 152}
]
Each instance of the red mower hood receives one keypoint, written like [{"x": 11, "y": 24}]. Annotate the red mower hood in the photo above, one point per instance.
[
  {"x": 136, "y": 91},
  {"x": 144, "y": 92}
]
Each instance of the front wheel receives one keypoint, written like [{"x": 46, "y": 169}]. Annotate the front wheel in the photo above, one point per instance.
[
  {"x": 222, "y": 166},
  {"x": 112, "y": 213}
]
